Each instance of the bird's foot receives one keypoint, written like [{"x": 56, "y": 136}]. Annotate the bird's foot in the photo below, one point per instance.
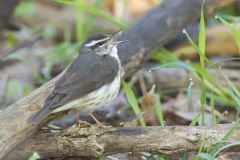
[
  {"x": 98, "y": 123},
  {"x": 80, "y": 122}
]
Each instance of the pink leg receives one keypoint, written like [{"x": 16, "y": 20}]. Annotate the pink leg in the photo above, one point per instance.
[{"x": 99, "y": 124}]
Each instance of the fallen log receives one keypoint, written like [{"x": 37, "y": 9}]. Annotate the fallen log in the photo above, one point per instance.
[{"x": 87, "y": 142}]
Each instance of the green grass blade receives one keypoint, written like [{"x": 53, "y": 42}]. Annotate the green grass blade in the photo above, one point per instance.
[
  {"x": 236, "y": 100},
  {"x": 34, "y": 156},
  {"x": 158, "y": 110},
  {"x": 202, "y": 143},
  {"x": 177, "y": 64},
  {"x": 203, "y": 101},
  {"x": 209, "y": 81},
  {"x": 225, "y": 147},
  {"x": 234, "y": 88},
  {"x": 202, "y": 33},
  {"x": 79, "y": 24},
  {"x": 225, "y": 23},
  {"x": 189, "y": 95},
  {"x": 235, "y": 94},
  {"x": 196, "y": 48},
  {"x": 163, "y": 55},
  {"x": 231, "y": 29},
  {"x": 214, "y": 120},
  {"x": 224, "y": 60},
  {"x": 201, "y": 45},
  {"x": 94, "y": 11},
  {"x": 206, "y": 156},
  {"x": 193, "y": 44},
  {"x": 132, "y": 101},
  {"x": 216, "y": 149},
  {"x": 91, "y": 19},
  {"x": 195, "y": 120},
  {"x": 231, "y": 131},
  {"x": 159, "y": 157}
]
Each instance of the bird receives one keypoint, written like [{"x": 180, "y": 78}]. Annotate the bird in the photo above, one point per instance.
[{"x": 91, "y": 80}]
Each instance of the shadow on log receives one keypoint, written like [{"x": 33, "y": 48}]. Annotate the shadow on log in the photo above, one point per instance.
[{"x": 91, "y": 143}]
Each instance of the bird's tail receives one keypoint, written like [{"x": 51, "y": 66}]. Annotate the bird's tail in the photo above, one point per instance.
[{"x": 39, "y": 116}]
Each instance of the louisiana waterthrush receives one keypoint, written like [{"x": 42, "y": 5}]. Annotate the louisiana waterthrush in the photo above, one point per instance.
[{"x": 92, "y": 80}]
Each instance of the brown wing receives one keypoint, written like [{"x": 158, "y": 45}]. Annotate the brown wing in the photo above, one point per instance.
[{"x": 86, "y": 74}]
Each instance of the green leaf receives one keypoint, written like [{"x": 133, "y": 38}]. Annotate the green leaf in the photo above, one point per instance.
[
  {"x": 94, "y": 11},
  {"x": 218, "y": 147},
  {"x": 202, "y": 33},
  {"x": 224, "y": 60},
  {"x": 231, "y": 131},
  {"x": 35, "y": 156},
  {"x": 235, "y": 94},
  {"x": 202, "y": 143},
  {"x": 206, "y": 156},
  {"x": 14, "y": 88},
  {"x": 177, "y": 64},
  {"x": 189, "y": 95},
  {"x": 225, "y": 147},
  {"x": 133, "y": 101},
  {"x": 234, "y": 88},
  {"x": 24, "y": 8},
  {"x": 79, "y": 23},
  {"x": 201, "y": 45},
  {"x": 203, "y": 101},
  {"x": 236, "y": 100},
  {"x": 193, "y": 44},
  {"x": 196, "y": 48},
  {"x": 214, "y": 120},
  {"x": 91, "y": 19},
  {"x": 231, "y": 29},
  {"x": 195, "y": 120},
  {"x": 159, "y": 157},
  {"x": 48, "y": 32},
  {"x": 158, "y": 110},
  {"x": 163, "y": 55}
]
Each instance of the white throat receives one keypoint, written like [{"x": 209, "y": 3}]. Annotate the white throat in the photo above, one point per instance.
[{"x": 113, "y": 52}]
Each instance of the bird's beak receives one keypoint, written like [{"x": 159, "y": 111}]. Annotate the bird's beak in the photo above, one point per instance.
[{"x": 111, "y": 41}]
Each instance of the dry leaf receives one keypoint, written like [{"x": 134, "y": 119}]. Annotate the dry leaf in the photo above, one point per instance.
[{"x": 147, "y": 104}]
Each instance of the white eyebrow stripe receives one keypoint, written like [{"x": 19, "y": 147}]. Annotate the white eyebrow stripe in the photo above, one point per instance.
[{"x": 95, "y": 42}]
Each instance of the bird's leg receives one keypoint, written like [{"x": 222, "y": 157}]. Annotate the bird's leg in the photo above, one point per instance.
[
  {"x": 99, "y": 124},
  {"x": 75, "y": 114}
]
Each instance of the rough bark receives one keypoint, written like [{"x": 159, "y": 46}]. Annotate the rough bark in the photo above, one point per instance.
[
  {"x": 157, "y": 27},
  {"x": 91, "y": 143}
]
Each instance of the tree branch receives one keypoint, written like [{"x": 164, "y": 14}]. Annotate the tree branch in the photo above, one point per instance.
[
  {"x": 157, "y": 27},
  {"x": 160, "y": 25},
  {"x": 89, "y": 142}
]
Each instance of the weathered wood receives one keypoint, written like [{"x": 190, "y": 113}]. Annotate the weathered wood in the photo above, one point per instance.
[
  {"x": 89, "y": 142},
  {"x": 160, "y": 25},
  {"x": 156, "y": 28}
]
